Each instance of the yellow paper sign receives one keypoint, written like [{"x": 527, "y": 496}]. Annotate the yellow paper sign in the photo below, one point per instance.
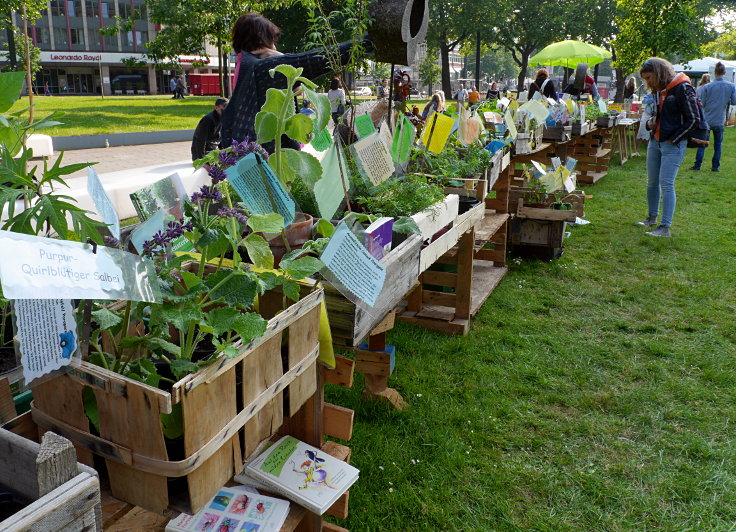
[
  {"x": 437, "y": 131},
  {"x": 510, "y": 125},
  {"x": 570, "y": 107}
]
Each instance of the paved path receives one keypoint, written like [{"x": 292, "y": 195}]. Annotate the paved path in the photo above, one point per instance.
[{"x": 127, "y": 157}]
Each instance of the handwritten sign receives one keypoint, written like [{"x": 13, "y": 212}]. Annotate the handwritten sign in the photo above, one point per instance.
[
  {"x": 102, "y": 201},
  {"x": 373, "y": 158},
  {"x": 47, "y": 335},
  {"x": 353, "y": 266},
  {"x": 256, "y": 184},
  {"x": 44, "y": 268}
]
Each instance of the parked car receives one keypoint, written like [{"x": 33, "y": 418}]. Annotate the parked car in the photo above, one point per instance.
[{"x": 364, "y": 91}]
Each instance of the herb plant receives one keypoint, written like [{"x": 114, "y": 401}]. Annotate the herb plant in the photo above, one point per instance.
[{"x": 402, "y": 196}]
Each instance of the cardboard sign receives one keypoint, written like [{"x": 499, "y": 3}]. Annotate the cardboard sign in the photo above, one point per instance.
[
  {"x": 256, "y": 184},
  {"x": 47, "y": 335},
  {"x": 45, "y": 268}
]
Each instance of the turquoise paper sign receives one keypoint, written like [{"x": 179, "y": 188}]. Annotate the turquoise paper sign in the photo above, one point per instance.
[{"x": 250, "y": 177}]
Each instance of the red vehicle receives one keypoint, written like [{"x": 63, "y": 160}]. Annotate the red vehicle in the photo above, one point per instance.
[{"x": 206, "y": 84}]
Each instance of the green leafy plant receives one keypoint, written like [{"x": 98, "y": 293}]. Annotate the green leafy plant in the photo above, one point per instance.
[
  {"x": 277, "y": 117},
  {"x": 402, "y": 196}
]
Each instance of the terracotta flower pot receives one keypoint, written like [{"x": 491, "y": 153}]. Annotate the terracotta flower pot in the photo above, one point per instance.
[{"x": 297, "y": 234}]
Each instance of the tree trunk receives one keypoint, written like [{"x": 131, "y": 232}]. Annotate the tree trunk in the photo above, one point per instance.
[
  {"x": 11, "y": 47},
  {"x": 220, "y": 79},
  {"x": 445, "y": 59},
  {"x": 477, "y": 61},
  {"x": 29, "y": 81},
  {"x": 522, "y": 74},
  {"x": 620, "y": 82}
]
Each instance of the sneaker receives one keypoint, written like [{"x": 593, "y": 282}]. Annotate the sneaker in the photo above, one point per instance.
[
  {"x": 696, "y": 168},
  {"x": 714, "y": 170},
  {"x": 650, "y": 221},
  {"x": 662, "y": 230}
]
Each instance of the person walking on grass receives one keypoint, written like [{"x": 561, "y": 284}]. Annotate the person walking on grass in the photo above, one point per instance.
[
  {"x": 462, "y": 96},
  {"x": 716, "y": 96},
  {"x": 675, "y": 115},
  {"x": 336, "y": 95},
  {"x": 172, "y": 87}
]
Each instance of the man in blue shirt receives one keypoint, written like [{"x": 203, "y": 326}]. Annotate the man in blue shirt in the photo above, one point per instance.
[{"x": 716, "y": 96}]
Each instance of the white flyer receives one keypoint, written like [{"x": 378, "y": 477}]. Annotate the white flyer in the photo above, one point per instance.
[{"x": 47, "y": 335}]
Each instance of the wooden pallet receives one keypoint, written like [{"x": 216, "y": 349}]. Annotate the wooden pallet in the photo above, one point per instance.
[
  {"x": 593, "y": 153},
  {"x": 451, "y": 293}
]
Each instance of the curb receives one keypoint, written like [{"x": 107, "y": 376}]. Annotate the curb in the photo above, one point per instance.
[{"x": 85, "y": 142}]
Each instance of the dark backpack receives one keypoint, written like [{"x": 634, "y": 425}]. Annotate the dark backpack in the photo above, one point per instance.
[{"x": 699, "y": 136}]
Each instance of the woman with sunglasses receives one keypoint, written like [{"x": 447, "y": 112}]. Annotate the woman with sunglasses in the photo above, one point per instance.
[{"x": 675, "y": 115}]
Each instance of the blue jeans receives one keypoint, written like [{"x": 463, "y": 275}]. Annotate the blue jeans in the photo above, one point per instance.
[
  {"x": 663, "y": 161},
  {"x": 717, "y": 140}
]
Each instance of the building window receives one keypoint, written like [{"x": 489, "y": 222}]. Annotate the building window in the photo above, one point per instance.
[
  {"x": 142, "y": 37},
  {"x": 93, "y": 8},
  {"x": 111, "y": 43},
  {"x": 77, "y": 35},
  {"x": 95, "y": 42},
  {"x": 43, "y": 38},
  {"x": 70, "y": 7},
  {"x": 60, "y": 39},
  {"x": 108, "y": 9},
  {"x": 57, "y": 8}
]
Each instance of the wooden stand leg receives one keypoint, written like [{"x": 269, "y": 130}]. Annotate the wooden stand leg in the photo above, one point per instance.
[{"x": 376, "y": 362}]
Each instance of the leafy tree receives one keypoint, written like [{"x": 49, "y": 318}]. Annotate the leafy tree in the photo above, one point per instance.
[
  {"x": 429, "y": 70},
  {"x": 724, "y": 45},
  {"x": 380, "y": 71},
  {"x": 665, "y": 28}
]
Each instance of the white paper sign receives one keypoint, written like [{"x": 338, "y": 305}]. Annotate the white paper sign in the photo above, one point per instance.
[
  {"x": 374, "y": 158},
  {"x": 47, "y": 335},
  {"x": 353, "y": 266},
  {"x": 510, "y": 125},
  {"x": 602, "y": 106},
  {"x": 44, "y": 268},
  {"x": 503, "y": 103},
  {"x": 537, "y": 110},
  {"x": 102, "y": 201}
]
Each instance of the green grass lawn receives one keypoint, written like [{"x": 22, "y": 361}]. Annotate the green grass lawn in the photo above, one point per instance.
[
  {"x": 90, "y": 115},
  {"x": 593, "y": 393}
]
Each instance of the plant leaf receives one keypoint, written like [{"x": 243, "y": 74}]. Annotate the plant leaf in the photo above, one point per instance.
[
  {"x": 266, "y": 126},
  {"x": 406, "y": 225},
  {"x": 90, "y": 406},
  {"x": 181, "y": 367},
  {"x": 272, "y": 222},
  {"x": 325, "y": 228},
  {"x": 106, "y": 319},
  {"x": 305, "y": 165},
  {"x": 249, "y": 326},
  {"x": 299, "y": 127},
  {"x": 11, "y": 84},
  {"x": 239, "y": 289},
  {"x": 221, "y": 319},
  {"x": 190, "y": 279},
  {"x": 258, "y": 251},
  {"x": 304, "y": 267},
  {"x": 291, "y": 290},
  {"x": 321, "y": 105},
  {"x": 173, "y": 424}
]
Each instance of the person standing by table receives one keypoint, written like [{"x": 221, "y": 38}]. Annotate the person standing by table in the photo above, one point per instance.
[
  {"x": 675, "y": 116},
  {"x": 543, "y": 85},
  {"x": 716, "y": 96},
  {"x": 254, "y": 39},
  {"x": 474, "y": 97}
]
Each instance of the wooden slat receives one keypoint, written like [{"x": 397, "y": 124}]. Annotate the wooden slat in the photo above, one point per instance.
[
  {"x": 331, "y": 527},
  {"x": 340, "y": 508},
  {"x": 7, "y": 407},
  {"x": 303, "y": 338},
  {"x": 343, "y": 373},
  {"x": 464, "y": 275},
  {"x": 379, "y": 363},
  {"x": 338, "y": 421},
  {"x": 439, "y": 298},
  {"x": 440, "y": 278},
  {"x": 337, "y": 450}
]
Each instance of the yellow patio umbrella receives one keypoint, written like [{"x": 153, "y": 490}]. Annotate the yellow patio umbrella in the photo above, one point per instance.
[{"x": 569, "y": 54}]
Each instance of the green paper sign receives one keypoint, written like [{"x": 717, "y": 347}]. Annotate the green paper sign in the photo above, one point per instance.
[
  {"x": 403, "y": 140},
  {"x": 364, "y": 126},
  {"x": 322, "y": 140}
]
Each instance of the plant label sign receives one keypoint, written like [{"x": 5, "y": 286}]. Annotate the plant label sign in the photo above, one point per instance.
[
  {"x": 102, "y": 201},
  {"x": 45, "y": 268},
  {"x": 260, "y": 189},
  {"x": 328, "y": 191},
  {"x": 349, "y": 263},
  {"x": 373, "y": 158},
  {"x": 47, "y": 335}
]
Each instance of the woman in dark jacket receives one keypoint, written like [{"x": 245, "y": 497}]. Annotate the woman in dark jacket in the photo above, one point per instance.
[
  {"x": 543, "y": 85},
  {"x": 675, "y": 116},
  {"x": 254, "y": 40}
]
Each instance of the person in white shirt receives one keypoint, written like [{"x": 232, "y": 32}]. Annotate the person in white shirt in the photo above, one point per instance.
[
  {"x": 336, "y": 95},
  {"x": 462, "y": 95}
]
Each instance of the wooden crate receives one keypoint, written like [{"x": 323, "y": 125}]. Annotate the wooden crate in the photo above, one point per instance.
[
  {"x": 536, "y": 238},
  {"x": 607, "y": 121},
  {"x": 351, "y": 322},
  {"x": 557, "y": 133},
  {"x": 227, "y": 408},
  {"x": 61, "y": 494},
  {"x": 580, "y": 127},
  {"x": 528, "y": 142},
  {"x": 519, "y": 205}
]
